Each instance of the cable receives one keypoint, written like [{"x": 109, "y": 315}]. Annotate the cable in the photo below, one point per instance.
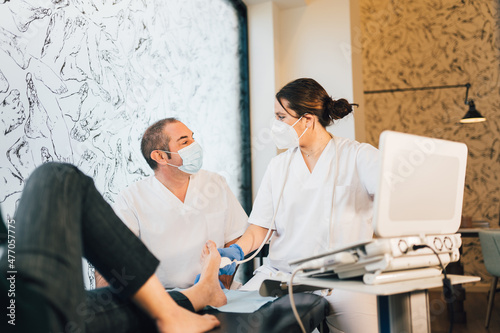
[
  {"x": 292, "y": 301},
  {"x": 271, "y": 226},
  {"x": 331, "y": 231},
  {"x": 279, "y": 201},
  {"x": 300, "y": 268},
  {"x": 238, "y": 262},
  {"x": 447, "y": 286}
]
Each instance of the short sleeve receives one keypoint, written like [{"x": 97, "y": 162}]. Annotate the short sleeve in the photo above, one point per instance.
[
  {"x": 368, "y": 166},
  {"x": 263, "y": 207},
  {"x": 236, "y": 219},
  {"x": 127, "y": 214}
]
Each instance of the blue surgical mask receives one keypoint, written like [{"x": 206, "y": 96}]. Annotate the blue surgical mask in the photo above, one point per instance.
[{"x": 192, "y": 158}]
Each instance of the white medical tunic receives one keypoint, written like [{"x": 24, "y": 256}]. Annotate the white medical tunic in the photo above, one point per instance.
[
  {"x": 175, "y": 232},
  {"x": 306, "y": 221}
]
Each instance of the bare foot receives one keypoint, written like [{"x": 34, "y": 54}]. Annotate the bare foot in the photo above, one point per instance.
[
  {"x": 209, "y": 278},
  {"x": 183, "y": 321},
  {"x": 207, "y": 291},
  {"x": 168, "y": 315}
]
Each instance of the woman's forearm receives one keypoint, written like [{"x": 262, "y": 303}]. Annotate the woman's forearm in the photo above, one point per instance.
[{"x": 252, "y": 238}]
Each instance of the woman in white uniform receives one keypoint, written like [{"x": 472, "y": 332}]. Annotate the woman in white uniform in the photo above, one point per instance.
[{"x": 326, "y": 184}]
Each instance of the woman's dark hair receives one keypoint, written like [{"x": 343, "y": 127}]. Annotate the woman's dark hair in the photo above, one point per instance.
[{"x": 308, "y": 96}]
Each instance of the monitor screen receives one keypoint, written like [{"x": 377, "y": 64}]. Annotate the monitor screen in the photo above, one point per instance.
[{"x": 421, "y": 185}]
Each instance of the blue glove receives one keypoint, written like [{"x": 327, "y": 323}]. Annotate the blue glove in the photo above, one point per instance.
[
  {"x": 233, "y": 252},
  {"x": 197, "y": 279}
]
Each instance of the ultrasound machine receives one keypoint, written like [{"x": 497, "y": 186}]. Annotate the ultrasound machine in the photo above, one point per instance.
[{"x": 417, "y": 212}]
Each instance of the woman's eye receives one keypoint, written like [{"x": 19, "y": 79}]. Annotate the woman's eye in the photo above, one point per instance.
[{"x": 281, "y": 117}]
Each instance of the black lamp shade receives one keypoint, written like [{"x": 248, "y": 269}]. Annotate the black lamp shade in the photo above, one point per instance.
[{"x": 472, "y": 116}]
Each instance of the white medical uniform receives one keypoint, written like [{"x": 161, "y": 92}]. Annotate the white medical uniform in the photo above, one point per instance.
[
  {"x": 176, "y": 232},
  {"x": 306, "y": 221}
]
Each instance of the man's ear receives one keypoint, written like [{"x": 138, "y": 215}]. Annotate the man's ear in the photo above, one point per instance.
[{"x": 157, "y": 156}]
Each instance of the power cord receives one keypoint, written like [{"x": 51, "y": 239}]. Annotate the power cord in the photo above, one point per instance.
[
  {"x": 310, "y": 265},
  {"x": 292, "y": 301},
  {"x": 270, "y": 230},
  {"x": 447, "y": 286},
  {"x": 315, "y": 264}
]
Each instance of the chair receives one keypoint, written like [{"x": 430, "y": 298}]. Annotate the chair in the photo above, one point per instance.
[{"x": 490, "y": 245}]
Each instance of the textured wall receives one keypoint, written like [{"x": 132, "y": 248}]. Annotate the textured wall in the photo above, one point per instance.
[
  {"x": 81, "y": 80},
  {"x": 429, "y": 43}
]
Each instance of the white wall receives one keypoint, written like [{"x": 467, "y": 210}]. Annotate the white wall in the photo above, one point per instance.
[
  {"x": 310, "y": 39},
  {"x": 262, "y": 19}
]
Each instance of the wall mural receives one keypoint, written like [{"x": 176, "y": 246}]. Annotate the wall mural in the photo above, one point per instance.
[
  {"x": 431, "y": 43},
  {"x": 81, "y": 80}
]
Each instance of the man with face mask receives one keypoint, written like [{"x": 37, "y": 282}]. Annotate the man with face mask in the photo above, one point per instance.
[{"x": 176, "y": 210}]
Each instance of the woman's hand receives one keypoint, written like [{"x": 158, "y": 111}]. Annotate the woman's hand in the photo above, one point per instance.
[{"x": 233, "y": 252}]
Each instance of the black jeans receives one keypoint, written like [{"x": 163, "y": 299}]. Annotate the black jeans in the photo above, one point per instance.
[{"x": 60, "y": 218}]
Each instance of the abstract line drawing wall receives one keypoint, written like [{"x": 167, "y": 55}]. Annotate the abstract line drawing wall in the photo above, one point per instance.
[{"x": 81, "y": 80}]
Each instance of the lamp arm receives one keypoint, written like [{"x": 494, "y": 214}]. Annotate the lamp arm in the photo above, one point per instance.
[{"x": 467, "y": 85}]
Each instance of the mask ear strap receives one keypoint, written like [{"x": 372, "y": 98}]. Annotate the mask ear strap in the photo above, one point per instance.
[
  {"x": 171, "y": 152},
  {"x": 303, "y": 132},
  {"x": 177, "y": 166},
  {"x": 295, "y": 123},
  {"x": 306, "y": 126}
]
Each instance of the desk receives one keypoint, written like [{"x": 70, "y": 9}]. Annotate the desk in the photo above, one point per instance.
[
  {"x": 471, "y": 232},
  {"x": 275, "y": 317},
  {"x": 402, "y": 306}
]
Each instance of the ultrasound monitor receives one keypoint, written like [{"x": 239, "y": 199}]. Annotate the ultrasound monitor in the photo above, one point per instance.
[{"x": 421, "y": 185}]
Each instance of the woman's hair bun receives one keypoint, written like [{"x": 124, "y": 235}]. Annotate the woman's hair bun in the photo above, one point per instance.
[
  {"x": 305, "y": 95},
  {"x": 335, "y": 109},
  {"x": 341, "y": 108}
]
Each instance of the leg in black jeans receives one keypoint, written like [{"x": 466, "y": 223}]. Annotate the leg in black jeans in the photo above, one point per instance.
[{"x": 62, "y": 217}]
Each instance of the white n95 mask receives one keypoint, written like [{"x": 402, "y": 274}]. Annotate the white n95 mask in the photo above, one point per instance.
[
  {"x": 284, "y": 136},
  {"x": 192, "y": 158}
]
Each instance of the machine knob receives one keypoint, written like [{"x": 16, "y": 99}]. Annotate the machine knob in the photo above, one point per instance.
[
  {"x": 448, "y": 243},
  {"x": 403, "y": 246},
  {"x": 438, "y": 243}
]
